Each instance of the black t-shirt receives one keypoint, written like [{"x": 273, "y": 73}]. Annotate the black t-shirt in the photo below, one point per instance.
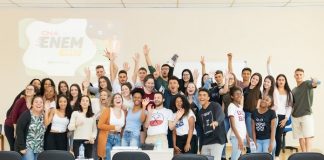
[
  {"x": 263, "y": 123},
  {"x": 214, "y": 94},
  {"x": 205, "y": 117},
  {"x": 248, "y": 106}
]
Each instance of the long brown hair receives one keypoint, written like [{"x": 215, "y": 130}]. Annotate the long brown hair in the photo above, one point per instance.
[{"x": 252, "y": 98}]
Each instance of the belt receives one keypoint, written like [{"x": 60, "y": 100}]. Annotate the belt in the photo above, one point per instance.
[{"x": 114, "y": 132}]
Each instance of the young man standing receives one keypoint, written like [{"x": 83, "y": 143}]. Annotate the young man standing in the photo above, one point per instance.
[
  {"x": 211, "y": 120},
  {"x": 302, "y": 117},
  {"x": 246, "y": 73},
  {"x": 158, "y": 121}
]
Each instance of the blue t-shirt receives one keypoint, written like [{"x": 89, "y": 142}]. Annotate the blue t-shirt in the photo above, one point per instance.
[{"x": 133, "y": 122}]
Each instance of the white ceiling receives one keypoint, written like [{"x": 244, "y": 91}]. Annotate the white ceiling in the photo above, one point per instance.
[{"x": 156, "y": 3}]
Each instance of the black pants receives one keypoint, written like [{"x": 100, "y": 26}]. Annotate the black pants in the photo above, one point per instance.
[
  {"x": 56, "y": 141},
  {"x": 9, "y": 132},
  {"x": 87, "y": 148},
  {"x": 181, "y": 143},
  {"x": 279, "y": 132}
]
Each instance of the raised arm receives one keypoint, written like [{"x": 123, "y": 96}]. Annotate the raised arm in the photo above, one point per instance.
[
  {"x": 230, "y": 62},
  {"x": 203, "y": 65},
  {"x": 269, "y": 69},
  {"x": 49, "y": 114},
  {"x": 113, "y": 66},
  {"x": 136, "y": 62},
  {"x": 195, "y": 76},
  {"x": 226, "y": 88},
  {"x": 146, "y": 51}
]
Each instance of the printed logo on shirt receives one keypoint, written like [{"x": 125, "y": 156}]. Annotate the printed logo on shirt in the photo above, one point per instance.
[
  {"x": 179, "y": 123},
  {"x": 207, "y": 119},
  {"x": 240, "y": 115},
  {"x": 156, "y": 119},
  {"x": 260, "y": 124}
]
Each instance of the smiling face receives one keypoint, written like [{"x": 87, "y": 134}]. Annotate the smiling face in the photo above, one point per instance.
[
  {"x": 102, "y": 83},
  {"x": 158, "y": 100},
  {"x": 30, "y": 91},
  {"x": 191, "y": 89},
  {"x": 49, "y": 93},
  {"x": 142, "y": 74},
  {"x": 104, "y": 97},
  {"x": 203, "y": 98},
  {"x": 299, "y": 76},
  {"x": 267, "y": 83},
  {"x": 117, "y": 100},
  {"x": 38, "y": 104},
  {"x": 47, "y": 84},
  {"x": 219, "y": 78},
  {"x": 74, "y": 91},
  {"x": 173, "y": 86},
  {"x": 63, "y": 88},
  {"x": 254, "y": 80},
  {"x": 122, "y": 78},
  {"x": 125, "y": 91},
  {"x": 37, "y": 84},
  {"x": 179, "y": 103},
  {"x": 266, "y": 102},
  {"x": 100, "y": 72},
  {"x": 237, "y": 96},
  {"x": 137, "y": 99},
  {"x": 149, "y": 84},
  {"x": 246, "y": 75},
  {"x": 62, "y": 103},
  {"x": 186, "y": 76},
  {"x": 231, "y": 79},
  {"x": 85, "y": 102}
]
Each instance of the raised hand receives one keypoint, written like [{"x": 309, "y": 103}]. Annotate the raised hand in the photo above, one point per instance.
[
  {"x": 202, "y": 60},
  {"x": 157, "y": 72},
  {"x": 110, "y": 55},
  {"x": 146, "y": 50},
  {"x": 126, "y": 66},
  {"x": 145, "y": 102},
  {"x": 195, "y": 74},
  {"x": 136, "y": 58},
  {"x": 87, "y": 72},
  {"x": 179, "y": 114},
  {"x": 86, "y": 84},
  {"x": 229, "y": 55}
]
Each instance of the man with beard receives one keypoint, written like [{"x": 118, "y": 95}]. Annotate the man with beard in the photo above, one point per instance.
[{"x": 158, "y": 121}]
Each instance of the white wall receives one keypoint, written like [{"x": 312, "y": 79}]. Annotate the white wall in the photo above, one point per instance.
[{"x": 292, "y": 36}]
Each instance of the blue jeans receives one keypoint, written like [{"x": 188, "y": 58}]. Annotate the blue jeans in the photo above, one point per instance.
[
  {"x": 112, "y": 140},
  {"x": 263, "y": 145},
  {"x": 236, "y": 152},
  {"x": 227, "y": 127},
  {"x": 130, "y": 139},
  {"x": 248, "y": 123},
  {"x": 30, "y": 155}
]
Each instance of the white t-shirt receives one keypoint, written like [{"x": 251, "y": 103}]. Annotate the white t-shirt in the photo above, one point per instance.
[
  {"x": 115, "y": 121},
  {"x": 182, "y": 126},
  {"x": 116, "y": 86},
  {"x": 239, "y": 116},
  {"x": 159, "y": 122}
]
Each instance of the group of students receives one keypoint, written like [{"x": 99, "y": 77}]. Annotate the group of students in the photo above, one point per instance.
[{"x": 158, "y": 108}]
